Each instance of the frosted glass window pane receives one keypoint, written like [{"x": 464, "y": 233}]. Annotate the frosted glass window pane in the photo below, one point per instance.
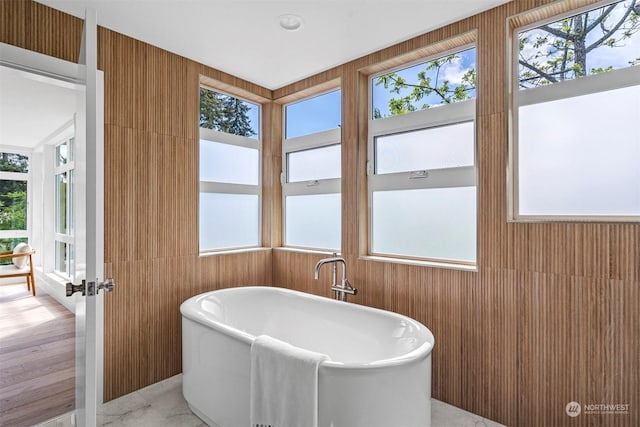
[
  {"x": 312, "y": 115},
  {"x": 228, "y": 163},
  {"x": 581, "y": 155},
  {"x": 229, "y": 220},
  {"x": 317, "y": 163},
  {"x": 433, "y": 148},
  {"x": 428, "y": 223},
  {"x": 313, "y": 221}
]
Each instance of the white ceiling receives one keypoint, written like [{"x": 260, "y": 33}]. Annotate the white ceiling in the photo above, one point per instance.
[
  {"x": 240, "y": 37},
  {"x": 243, "y": 37},
  {"x": 32, "y": 108}
]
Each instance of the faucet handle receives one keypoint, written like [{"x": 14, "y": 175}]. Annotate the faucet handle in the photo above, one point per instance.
[
  {"x": 350, "y": 291},
  {"x": 350, "y": 287}
]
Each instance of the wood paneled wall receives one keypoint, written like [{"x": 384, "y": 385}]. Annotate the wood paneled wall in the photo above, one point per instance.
[{"x": 551, "y": 315}]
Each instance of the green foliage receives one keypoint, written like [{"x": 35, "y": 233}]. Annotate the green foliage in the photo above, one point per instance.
[
  {"x": 8, "y": 245},
  {"x": 10, "y": 162},
  {"x": 560, "y": 50},
  {"x": 224, "y": 113},
  {"x": 430, "y": 88},
  {"x": 13, "y": 211},
  {"x": 13, "y": 194}
]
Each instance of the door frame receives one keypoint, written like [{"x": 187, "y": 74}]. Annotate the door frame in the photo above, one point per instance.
[{"x": 69, "y": 72}]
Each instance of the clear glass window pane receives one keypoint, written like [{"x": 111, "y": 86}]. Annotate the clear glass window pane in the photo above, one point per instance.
[
  {"x": 585, "y": 164},
  {"x": 13, "y": 205},
  {"x": 451, "y": 78},
  {"x": 312, "y": 115},
  {"x": 428, "y": 223},
  {"x": 229, "y": 221},
  {"x": 593, "y": 42},
  {"x": 317, "y": 163},
  {"x": 61, "y": 258},
  {"x": 11, "y": 162},
  {"x": 71, "y": 260},
  {"x": 9, "y": 245},
  {"x": 227, "y": 114},
  {"x": 71, "y": 148},
  {"x": 70, "y": 224},
  {"x": 61, "y": 203},
  {"x": 61, "y": 154},
  {"x": 433, "y": 148},
  {"x": 228, "y": 163},
  {"x": 313, "y": 221}
]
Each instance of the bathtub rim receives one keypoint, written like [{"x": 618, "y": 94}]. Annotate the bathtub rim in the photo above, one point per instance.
[{"x": 420, "y": 352}]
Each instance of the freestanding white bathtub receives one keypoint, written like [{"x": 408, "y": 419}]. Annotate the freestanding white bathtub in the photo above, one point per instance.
[{"x": 379, "y": 373}]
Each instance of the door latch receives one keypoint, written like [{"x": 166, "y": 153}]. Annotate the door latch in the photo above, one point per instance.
[{"x": 90, "y": 288}]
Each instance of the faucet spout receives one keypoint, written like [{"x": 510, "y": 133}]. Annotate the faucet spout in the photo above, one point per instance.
[{"x": 333, "y": 259}]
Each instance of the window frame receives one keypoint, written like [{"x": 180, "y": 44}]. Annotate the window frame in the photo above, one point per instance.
[
  {"x": 232, "y": 188},
  {"x": 586, "y": 85},
  {"x": 322, "y": 139},
  {"x": 424, "y": 119},
  {"x": 67, "y": 238}
]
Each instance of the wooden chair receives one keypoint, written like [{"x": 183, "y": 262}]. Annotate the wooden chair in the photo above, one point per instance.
[{"x": 26, "y": 271}]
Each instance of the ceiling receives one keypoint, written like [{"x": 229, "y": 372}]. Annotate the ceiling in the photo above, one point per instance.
[
  {"x": 244, "y": 37},
  {"x": 241, "y": 37},
  {"x": 32, "y": 108}
]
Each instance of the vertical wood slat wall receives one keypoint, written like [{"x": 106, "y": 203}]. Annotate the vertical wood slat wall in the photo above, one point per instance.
[{"x": 552, "y": 315}]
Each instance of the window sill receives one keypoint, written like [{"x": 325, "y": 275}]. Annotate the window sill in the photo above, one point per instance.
[
  {"x": 306, "y": 251},
  {"x": 450, "y": 266},
  {"x": 54, "y": 285},
  {"x": 233, "y": 251}
]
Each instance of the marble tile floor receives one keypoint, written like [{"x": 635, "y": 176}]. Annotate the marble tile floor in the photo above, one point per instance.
[{"x": 162, "y": 405}]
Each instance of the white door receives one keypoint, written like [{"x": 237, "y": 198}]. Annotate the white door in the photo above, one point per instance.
[
  {"x": 88, "y": 208},
  {"x": 88, "y": 202}
]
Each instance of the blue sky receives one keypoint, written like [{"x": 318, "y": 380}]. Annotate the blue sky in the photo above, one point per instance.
[{"x": 322, "y": 112}]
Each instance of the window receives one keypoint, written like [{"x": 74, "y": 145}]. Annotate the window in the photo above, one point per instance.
[
  {"x": 421, "y": 160},
  {"x": 64, "y": 256},
  {"x": 229, "y": 210},
  {"x": 14, "y": 182},
  {"x": 575, "y": 147},
  {"x": 312, "y": 170}
]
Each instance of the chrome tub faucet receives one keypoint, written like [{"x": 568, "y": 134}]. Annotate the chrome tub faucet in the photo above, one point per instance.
[{"x": 339, "y": 291}]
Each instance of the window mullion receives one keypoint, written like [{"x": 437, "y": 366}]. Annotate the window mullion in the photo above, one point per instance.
[
  {"x": 440, "y": 178},
  {"x": 227, "y": 188},
  {"x": 614, "y": 79},
  {"x": 322, "y": 186},
  {"x": 430, "y": 117}
]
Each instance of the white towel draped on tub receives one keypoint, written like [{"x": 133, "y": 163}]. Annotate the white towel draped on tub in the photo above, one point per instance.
[{"x": 284, "y": 384}]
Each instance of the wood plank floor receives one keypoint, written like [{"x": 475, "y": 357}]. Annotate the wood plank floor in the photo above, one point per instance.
[{"x": 37, "y": 357}]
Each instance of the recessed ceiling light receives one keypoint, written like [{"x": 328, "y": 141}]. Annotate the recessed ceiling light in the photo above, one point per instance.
[{"x": 290, "y": 22}]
